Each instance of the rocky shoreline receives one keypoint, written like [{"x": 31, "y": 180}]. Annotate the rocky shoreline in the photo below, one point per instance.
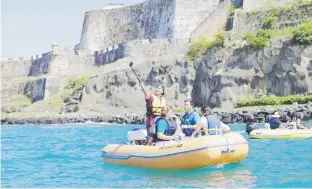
[
  {"x": 128, "y": 119},
  {"x": 238, "y": 116}
]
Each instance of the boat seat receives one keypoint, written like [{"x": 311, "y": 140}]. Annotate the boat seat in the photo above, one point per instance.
[{"x": 137, "y": 135}]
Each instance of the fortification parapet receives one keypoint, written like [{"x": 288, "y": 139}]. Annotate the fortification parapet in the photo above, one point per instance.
[
  {"x": 15, "y": 59},
  {"x": 27, "y": 58},
  {"x": 251, "y": 5},
  {"x": 15, "y": 67},
  {"x": 141, "y": 49},
  {"x": 109, "y": 48},
  {"x": 4, "y": 60},
  {"x": 113, "y": 6}
]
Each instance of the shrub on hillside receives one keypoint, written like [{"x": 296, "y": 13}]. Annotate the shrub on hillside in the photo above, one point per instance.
[
  {"x": 266, "y": 33},
  {"x": 201, "y": 46},
  {"x": 270, "y": 19},
  {"x": 76, "y": 84},
  {"x": 260, "y": 39},
  {"x": 303, "y": 34},
  {"x": 274, "y": 100},
  {"x": 256, "y": 40}
]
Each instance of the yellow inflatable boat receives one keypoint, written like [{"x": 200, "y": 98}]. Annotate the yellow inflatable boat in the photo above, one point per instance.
[{"x": 189, "y": 153}]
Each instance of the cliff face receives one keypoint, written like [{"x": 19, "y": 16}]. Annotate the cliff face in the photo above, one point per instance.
[
  {"x": 226, "y": 75},
  {"x": 115, "y": 91},
  {"x": 220, "y": 78}
]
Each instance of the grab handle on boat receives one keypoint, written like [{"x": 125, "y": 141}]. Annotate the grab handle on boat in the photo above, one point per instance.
[{"x": 229, "y": 150}]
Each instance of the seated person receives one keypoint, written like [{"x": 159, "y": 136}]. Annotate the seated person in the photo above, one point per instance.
[
  {"x": 274, "y": 121},
  {"x": 299, "y": 122},
  {"x": 211, "y": 123},
  {"x": 176, "y": 122},
  {"x": 190, "y": 118},
  {"x": 165, "y": 129}
]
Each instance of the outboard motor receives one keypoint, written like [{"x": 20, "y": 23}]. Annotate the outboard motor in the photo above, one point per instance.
[
  {"x": 137, "y": 136},
  {"x": 250, "y": 127}
]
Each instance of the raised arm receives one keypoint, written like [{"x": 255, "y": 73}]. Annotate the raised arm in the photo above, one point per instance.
[{"x": 146, "y": 93}]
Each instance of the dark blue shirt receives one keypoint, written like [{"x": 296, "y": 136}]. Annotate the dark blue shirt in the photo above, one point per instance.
[{"x": 274, "y": 121}]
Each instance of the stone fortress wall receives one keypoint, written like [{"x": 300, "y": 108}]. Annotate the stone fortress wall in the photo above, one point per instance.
[{"x": 152, "y": 19}]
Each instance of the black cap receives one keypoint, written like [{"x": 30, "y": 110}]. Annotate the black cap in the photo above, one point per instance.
[{"x": 163, "y": 88}]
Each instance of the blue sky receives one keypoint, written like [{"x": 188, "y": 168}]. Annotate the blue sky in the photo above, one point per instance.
[{"x": 28, "y": 27}]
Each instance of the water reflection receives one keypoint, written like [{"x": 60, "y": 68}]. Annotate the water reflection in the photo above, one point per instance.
[{"x": 236, "y": 175}]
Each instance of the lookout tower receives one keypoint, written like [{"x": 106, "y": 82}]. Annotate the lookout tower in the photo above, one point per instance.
[{"x": 55, "y": 48}]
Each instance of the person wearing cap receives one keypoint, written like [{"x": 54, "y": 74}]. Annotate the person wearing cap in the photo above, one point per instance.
[
  {"x": 154, "y": 103},
  {"x": 274, "y": 121}
]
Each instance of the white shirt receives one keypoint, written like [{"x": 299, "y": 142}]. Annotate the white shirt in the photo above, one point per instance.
[{"x": 223, "y": 126}]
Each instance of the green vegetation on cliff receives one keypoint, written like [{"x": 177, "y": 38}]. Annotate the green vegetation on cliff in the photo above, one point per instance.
[
  {"x": 17, "y": 101},
  {"x": 77, "y": 83},
  {"x": 275, "y": 100},
  {"x": 303, "y": 34},
  {"x": 270, "y": 19},
  {"x": 257, "y": 40},
  {"x": 54, "y": 102},
  {"x": 199, "y": 47},
  {"x": 282, "y": 23}
]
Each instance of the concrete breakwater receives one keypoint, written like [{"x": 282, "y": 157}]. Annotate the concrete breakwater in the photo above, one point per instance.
[{"x": 237, "y": 116}]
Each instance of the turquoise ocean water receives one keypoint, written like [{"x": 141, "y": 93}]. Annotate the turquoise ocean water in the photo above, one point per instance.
[{"x": 69, "y": 156}]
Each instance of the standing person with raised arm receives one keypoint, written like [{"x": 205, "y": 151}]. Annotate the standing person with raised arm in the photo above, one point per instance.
[{"x": 154, "y": 103}]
